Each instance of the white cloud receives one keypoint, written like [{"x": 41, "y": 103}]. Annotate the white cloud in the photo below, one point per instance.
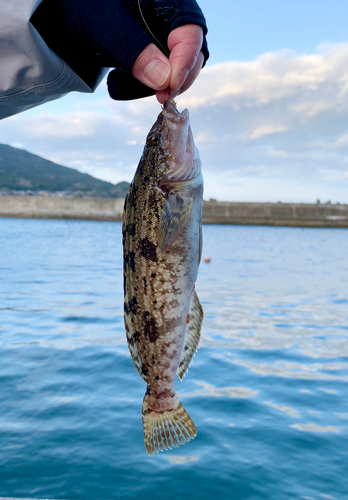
[
  {"x": 341, "y": 141},
  {"x": 69, "y": 125},
  {"x": 273, "y": 76},
  {"x": 267, "y": 130},
  {"x": 273, "y": 152},
  {"x": 332, "y": 174},
  {"x": 311, "y": 108},
  {"x": 271, "y": 129}
]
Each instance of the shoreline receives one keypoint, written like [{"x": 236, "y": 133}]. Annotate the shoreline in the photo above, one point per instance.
[{"x": 214, "y": 212}]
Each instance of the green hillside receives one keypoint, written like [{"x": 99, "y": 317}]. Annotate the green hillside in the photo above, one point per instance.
[{"x": 23, "y": 171}]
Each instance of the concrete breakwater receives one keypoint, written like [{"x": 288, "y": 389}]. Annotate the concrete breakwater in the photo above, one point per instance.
[
  {"x": 276, "y": 214},
  {"x": 52, "y": 207},
  {"x": 214, "y": 212}
]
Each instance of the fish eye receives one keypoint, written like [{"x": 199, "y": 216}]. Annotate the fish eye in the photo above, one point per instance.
[{"x": 153, "y": 140}]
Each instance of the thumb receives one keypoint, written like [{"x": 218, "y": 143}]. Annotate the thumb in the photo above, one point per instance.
[{"x": 152, "y": 68}]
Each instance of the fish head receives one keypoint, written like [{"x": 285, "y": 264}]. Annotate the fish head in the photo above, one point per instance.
[{"x": 171, "y": 137}]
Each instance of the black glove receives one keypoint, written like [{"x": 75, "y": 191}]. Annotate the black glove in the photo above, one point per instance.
[{"x": 91, "y": 34}]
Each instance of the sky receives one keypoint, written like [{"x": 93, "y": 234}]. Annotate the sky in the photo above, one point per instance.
[{"x": 269, "y": 112}]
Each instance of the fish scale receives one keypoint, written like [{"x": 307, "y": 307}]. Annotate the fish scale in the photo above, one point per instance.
[{"x": 162, "y": 247}]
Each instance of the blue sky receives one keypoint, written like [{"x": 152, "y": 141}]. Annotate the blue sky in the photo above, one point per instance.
[
  {"x": 269, "y": 112},
  {"x": 243, "y": 30}
]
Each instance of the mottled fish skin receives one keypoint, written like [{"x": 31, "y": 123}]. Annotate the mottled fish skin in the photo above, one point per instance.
[{"x": 162, "y": 247}]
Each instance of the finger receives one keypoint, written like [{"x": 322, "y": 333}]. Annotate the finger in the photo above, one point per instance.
[
  {"x": 191, "y": 77},
  {"x": 184, "y": 44},
  {"x": 164, "y": 95},
  {"x": 152, "y": 68}
]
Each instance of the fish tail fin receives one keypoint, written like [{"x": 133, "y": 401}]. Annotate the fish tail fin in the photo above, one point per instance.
[{"x": 168, "y": 429}]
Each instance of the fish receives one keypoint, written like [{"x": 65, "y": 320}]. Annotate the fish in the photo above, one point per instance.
[{"x": 162, "y": 248}]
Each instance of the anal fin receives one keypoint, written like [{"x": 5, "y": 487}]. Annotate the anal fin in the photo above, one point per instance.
[{"x": 193, "y": 334}]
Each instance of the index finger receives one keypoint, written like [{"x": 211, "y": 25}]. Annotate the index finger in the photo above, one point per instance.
[{"x": 184, "y": 43}]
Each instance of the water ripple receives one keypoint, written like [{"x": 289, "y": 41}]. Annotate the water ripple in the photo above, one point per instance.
[{"x": 266, "y": 390}]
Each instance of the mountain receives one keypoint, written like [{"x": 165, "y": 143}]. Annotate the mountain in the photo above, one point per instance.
[{"x": 22, "y": 172}]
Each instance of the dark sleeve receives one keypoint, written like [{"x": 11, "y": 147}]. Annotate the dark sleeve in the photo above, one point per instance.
[{"x": 90, "y": 34}]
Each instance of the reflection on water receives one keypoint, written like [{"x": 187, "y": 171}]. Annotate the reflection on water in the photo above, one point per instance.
[
  {"x": 315, "y": 428},
  {"x": 289, "y": 411},
  {"x": 267, "y": 390},
  {"x": 177, "y": 460},
  {"x": 294, "y": 370},
  {"x": 316, "y": 329},
  {"x": 224, "y": 392}
]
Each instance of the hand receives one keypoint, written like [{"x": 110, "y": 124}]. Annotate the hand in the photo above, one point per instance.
[
  {"x": 91, "y": 35},
  {"x": 171, "y": 77}
]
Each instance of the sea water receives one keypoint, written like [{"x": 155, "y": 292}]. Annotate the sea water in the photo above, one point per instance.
[{"x": 267, "y": 389}]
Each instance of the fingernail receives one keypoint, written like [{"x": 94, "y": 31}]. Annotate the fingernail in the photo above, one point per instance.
[{"x": 157, "y": 72}]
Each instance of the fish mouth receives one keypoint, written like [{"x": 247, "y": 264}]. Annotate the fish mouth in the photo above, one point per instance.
[{"x": 183, "y": 159}]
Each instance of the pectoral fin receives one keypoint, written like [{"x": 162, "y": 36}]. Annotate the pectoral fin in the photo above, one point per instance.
[
  {"x": 192, "y": 336},
  {"x": 175, "y": 215}
]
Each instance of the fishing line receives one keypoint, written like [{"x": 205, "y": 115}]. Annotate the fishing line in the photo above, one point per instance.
[
  {"x": 216, "y": 7},
  {"x": 153, "y": 36}
]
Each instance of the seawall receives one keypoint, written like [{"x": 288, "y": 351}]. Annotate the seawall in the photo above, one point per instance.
[
  {"x": 214, "y": 212},
  {"x": 51, "y": 207},
  {"x": 276, "y": 214}
]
